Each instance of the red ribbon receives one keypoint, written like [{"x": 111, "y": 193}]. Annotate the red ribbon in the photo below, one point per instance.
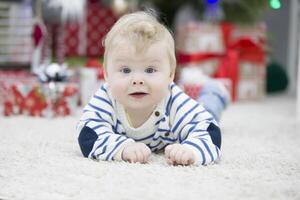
[{"x": 184, "y": 58}]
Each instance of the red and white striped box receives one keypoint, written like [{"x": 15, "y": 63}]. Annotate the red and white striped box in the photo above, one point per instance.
[{"x": 85, "y": 38}]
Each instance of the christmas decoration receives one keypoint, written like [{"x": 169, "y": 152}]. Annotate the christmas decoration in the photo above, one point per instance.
[
  {"x": 233, "y": 11},
  {"x": 275, "y": 4},
  {"x": 54, "y": 78},
  {"x": 277, "y": 79},
  {"x": 61, "y": 11},
  {"x": 19, "y": 94},
  {"x": 38, "y": 37},
  {"x": 55, "y": 14},
  {"x": 53, "y": 73},
  {"x": 120, "y": 7},
  {"x": 28, "y": 99},
  {"x": 213, "y": 11},
  {"x": 243, "y": 11}
]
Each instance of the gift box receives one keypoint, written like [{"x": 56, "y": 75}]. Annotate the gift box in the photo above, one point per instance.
[
  {"x": 85, "y": 38},
  {"x": 222, "y": 52},
  {"x": 193, "y": 90},
  {"x": 91, "y": 78},
  {"x": 61, "y": 99},
  {"x": 22, "y": 93},
  {"x": 192, "y": 80},
  {"x": 11, "y": 101},
  {"x": 252, "y": 83},
  {"x": 201, "y": 45},
  {"x": 250, "y": 43}
]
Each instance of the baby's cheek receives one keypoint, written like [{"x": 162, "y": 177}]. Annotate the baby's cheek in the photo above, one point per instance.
[
  {"x": 117, "y": 91},
  {"x": 160, "y": 93}
]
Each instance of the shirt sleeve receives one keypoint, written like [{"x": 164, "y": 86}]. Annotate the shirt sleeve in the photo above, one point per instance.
[
  {"x": 197, "y": 138},
  {"x": 97, "y": 138},
  {"x": 191, "y": 124}
]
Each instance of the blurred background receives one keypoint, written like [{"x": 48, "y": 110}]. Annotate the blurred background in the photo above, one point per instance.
[{"x": 51, "y": 50}]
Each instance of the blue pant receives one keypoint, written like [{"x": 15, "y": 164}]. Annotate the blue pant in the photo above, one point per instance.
[{"x": 214, "y": 98}]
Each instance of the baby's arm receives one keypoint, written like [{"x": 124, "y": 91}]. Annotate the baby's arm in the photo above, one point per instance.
[
  {"x": 97, "y": 138},
  {"x": 105, "y": 145},
  {"x": 193, "y": 126},
  {"x": 198, "y": 140},
  {"x": 196, "y": 147}
]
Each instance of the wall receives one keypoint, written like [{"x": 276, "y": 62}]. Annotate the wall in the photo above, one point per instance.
[{"x": 278, "y": 29}]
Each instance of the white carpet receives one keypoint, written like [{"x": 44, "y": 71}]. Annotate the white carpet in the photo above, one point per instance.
[{"x": 40, "y": 159}]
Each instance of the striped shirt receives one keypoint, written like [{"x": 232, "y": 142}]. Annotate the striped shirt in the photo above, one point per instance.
[{"x": 177, "y": 119}]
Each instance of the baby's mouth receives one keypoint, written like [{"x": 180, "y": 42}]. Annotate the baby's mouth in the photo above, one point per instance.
[{"x": 138, "y": 95}]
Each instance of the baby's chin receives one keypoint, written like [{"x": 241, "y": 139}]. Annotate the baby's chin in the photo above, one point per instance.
[
  {"x": 145, "y": 103},
  {"x": 140, "y": 106}
]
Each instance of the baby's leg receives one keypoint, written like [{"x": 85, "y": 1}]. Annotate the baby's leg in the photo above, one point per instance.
[{"x": 214, "y": 97}]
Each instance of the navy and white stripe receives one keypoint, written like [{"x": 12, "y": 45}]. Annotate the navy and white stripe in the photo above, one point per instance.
[{"x": 182, "y": 120}]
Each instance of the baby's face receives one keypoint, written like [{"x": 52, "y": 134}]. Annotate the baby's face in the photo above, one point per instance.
[{"x": 139, "y": 80}]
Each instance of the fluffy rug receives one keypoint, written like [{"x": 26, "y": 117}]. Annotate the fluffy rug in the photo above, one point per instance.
[{"x": 40, "y": 159}]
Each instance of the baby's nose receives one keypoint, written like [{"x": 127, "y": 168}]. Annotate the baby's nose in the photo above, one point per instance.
[
  {"x": 137, "y": 79},
  {"x": 135, "y": 82}
]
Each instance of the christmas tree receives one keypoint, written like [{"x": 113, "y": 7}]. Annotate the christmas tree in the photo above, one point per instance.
[{"x": 234, "y": 11}]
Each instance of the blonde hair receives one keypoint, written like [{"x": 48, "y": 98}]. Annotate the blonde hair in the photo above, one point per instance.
[{"x": 142, "y": 29}]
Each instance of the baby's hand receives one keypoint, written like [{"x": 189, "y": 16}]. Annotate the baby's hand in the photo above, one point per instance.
[
  {"x": 136, "y": 152},
  {"x": 177, "y": 154}
]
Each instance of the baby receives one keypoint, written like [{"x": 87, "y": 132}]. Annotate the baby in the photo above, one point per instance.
[{"x": 140, "y": 109}]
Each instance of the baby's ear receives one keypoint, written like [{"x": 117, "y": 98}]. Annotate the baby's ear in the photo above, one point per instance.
[
  {"x": 104, "y": 73},
  {"x": 172, "y": 76}
]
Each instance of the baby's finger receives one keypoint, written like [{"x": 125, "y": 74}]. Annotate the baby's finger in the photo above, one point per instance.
[
  {"x": 129, "y": 156},
  {"x": 178, "y": 155},
  {"x": 191, "y": 161},
  {"x": 146, "y": 154},
  {"x": 133, "y": 157},
  {"x": 185, "y": 158},
  {"x": 170, "y": 161},
  {"x": 168, "y": 150},
  {"x": 139, "y": 156},
  {"x": 173, "y": 153}
]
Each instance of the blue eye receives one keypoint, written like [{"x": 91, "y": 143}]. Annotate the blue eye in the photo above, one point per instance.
[
  {"x": 150, "y": 70},
  {"x": 125, "y": 70}
]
